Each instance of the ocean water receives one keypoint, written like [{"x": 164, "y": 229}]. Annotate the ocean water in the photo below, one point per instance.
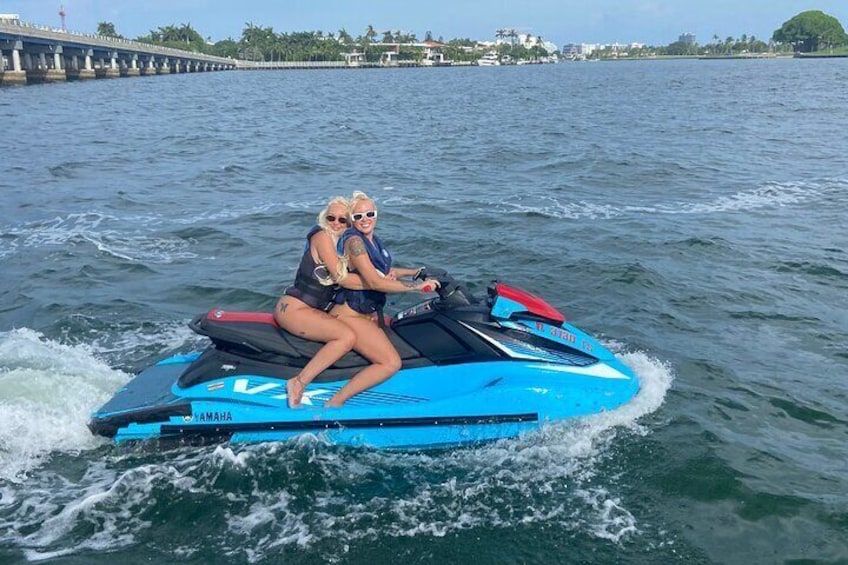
[{"x": 692, "y": 214}]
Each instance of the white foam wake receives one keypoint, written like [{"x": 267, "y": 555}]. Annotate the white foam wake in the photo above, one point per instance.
[
  {"x": 47, "y": 391},
  {"x": 769, "y": 195},
  {"x": 305, "y": 494}
]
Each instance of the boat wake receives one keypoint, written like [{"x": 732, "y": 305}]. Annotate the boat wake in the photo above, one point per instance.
[
  {"x": 291, "y": 496},
  {"x": 47, "y": 391},
  {"x": 772, "y": 195}
]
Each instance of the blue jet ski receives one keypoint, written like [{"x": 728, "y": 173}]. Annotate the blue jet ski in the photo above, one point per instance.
[{"x": 474, "y": 370}]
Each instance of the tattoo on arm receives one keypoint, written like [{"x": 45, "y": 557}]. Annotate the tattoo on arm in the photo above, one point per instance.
[{"x": 356, "y": 247}]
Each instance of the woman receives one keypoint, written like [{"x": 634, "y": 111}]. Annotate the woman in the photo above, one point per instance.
[
  {"x": 357, "y": 308},
  {"x": 302, "y": 310}
]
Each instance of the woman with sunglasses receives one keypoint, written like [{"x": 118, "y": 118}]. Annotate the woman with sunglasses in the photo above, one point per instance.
[
  {"x": 302, "y": 310},
  {"x": 361, "y": 309}
]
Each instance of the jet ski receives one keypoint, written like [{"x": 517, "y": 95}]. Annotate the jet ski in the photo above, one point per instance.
[{"x": 474, "y": 370}]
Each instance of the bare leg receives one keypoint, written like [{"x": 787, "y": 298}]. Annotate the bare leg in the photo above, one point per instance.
[
  {"x": 373, "y": 344},
  {"x": 304, "y": 321}
]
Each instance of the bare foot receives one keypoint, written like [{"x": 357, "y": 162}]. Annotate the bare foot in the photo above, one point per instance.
[
  {"x": 333, "y": 403},
  {"x": 294, "y": 391}
]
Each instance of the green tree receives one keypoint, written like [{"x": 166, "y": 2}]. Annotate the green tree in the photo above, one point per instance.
[
  {"x": 810, "y": 30},
  {"x": 107, "y": 29},
  {"x": 226, "y": 48},
  {"x": 179, "y": 37},
  {"x": 681, "y": 48},
  {"x": 370, "y": 34},
  {"x": 344, "y": 37}
]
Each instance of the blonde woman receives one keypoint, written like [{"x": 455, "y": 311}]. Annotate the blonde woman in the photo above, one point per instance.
[
  {"x": 302, "y": 310},
  {"x": 360, "y": 309}
]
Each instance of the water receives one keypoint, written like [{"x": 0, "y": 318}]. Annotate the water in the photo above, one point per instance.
[{"x": 690, "y": 213}]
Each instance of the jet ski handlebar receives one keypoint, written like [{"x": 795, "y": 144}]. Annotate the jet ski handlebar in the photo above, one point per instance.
[{"x": 451, "y": 293}]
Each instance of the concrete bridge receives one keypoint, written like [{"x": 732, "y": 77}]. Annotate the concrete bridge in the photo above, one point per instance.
[{"x": 33, "y": 54}]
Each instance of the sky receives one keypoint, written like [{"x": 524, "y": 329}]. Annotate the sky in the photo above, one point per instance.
[{"x": 655, "y": 22}]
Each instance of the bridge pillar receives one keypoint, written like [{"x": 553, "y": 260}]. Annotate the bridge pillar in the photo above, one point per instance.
[
  {"x": 88, "y": 71},
  {"x": 57, "y": 73},
  {"x": 133, "y": 71},
  {"x": 15, "y": 75},
  {"x": 148, "y": 68},
  {"x": 107, "y": 70},
  {"x": 113, "y": 70},
  {"x": 165, "y": 69},
  {"x": 72, "y": 67},
  {"x": 40, "y": 72}
]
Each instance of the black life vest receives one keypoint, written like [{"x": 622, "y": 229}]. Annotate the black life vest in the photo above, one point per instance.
[{"x": 307, "y": 287}]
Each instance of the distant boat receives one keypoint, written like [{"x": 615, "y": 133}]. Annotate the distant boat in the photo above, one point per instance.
[{"x": 490, "y": 59}]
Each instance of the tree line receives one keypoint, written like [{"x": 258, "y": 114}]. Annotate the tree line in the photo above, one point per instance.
[
  {"x": 258, "y": 43},
  {"x": 808, "y": 31}
]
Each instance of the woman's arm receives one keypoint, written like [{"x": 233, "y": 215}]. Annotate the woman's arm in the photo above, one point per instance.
[
  {"x": 371, "y": 277},
  {"x": 404, "y": 272}
]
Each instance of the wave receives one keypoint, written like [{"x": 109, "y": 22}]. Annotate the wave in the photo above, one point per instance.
[
  {"x": 93, "y": 229},
  {"x": 807, "y": 268},
  {"x": 305, "y": 495},
  {"x": 47, "y": 391},
  {"x": 67, "y": 170},
  {"x": 772, "y": 195},
  {"x": 129, "y": 238}
]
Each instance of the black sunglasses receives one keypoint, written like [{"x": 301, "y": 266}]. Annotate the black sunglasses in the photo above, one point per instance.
[{"x": 342, "y": 220}]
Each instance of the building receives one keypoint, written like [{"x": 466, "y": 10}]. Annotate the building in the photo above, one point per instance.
[{"x": 687, "y": 38}]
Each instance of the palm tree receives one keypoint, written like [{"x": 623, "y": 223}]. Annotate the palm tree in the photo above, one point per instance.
[
  {"x": 370, "y": 34},
  {"x": 345, "y": 37}
]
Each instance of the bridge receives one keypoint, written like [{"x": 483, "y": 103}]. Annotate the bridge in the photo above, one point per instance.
[{"x": 33, "y": 54}]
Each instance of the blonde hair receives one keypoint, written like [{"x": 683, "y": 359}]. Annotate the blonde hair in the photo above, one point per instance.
[
  {"x": 357, "y": 197},
  {"x": 325, "y": 278},
  {"x": 322, "y": 215}
]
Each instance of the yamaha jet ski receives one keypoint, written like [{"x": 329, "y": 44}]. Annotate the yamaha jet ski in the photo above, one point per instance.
[{"x": 474, "y": 370}]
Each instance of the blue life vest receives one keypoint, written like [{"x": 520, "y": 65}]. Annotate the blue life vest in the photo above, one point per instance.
[{"x": 365, "y": 301}]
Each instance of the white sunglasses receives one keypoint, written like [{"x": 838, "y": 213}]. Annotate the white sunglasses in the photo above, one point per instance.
[{"x": 361, "y": 215}]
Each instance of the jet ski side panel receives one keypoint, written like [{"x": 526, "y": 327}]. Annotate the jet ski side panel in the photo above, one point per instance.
[{"x": 422, "y": 407}]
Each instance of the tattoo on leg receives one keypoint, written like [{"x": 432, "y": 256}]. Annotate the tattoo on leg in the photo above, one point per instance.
[{"x": 282, "y": 307}]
